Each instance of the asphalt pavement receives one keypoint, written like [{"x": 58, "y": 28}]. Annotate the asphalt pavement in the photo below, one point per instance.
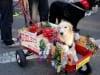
[{"x": 89, "y": 25}]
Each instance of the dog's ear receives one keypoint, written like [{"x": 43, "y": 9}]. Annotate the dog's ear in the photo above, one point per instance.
[
  {"x": 70, "y": 27},
  {"x": 58, "y": 28}
]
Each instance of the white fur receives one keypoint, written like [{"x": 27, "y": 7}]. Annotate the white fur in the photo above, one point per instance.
[{"x": 68, "y": 37}]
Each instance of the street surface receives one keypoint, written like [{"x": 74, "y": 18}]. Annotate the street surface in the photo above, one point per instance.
[{"x": 90, "y": 25}]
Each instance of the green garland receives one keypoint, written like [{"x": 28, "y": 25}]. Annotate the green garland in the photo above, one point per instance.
[
  {"x": 57, "y": 56},
  {"x": 91, "y": 46},
  {"x": 42, "y": 45}
]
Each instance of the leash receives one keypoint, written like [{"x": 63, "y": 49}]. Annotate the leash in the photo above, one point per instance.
[
  {"x": 26, "y": 16},
  {"x": 77, "y": 7},
  {"x": 71, "y": 3}
]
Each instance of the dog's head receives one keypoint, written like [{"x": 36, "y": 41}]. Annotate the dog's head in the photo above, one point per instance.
[
  {"x": 65, "y": 32},
  {"x": 65, "y": 28}
]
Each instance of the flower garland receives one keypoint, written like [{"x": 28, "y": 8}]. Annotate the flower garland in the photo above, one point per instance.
[
  {"x": 42, "y": 47},
  {"x": 91, "y": 45},
  {"x": 56, "y": 58}
]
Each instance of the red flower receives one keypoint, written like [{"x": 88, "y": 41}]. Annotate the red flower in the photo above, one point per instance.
[
  {"x": 47, "y": 32},
  {"x": 33, "y": 28}
]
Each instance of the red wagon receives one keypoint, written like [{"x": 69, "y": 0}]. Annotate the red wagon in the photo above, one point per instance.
[
  {"x": 30, "y": 44},
  {"x": 82, "y": 65}
]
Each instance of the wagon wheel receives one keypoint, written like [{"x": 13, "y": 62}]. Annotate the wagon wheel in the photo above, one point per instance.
[
  {"x": 85, "y": 70},
  {"x": 21, "y": 58},
  {"x": 66, "y": 72}
]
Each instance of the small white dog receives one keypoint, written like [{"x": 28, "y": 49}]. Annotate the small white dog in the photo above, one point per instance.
[{"x": 66, "y": 36}]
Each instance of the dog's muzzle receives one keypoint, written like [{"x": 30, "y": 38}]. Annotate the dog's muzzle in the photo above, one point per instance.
[{"x": 61, "y": 33}]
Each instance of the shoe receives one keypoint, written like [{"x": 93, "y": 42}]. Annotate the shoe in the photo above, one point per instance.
[
  {"x": 44, "y": 24},
  {"x": 15, "y": 44},
  {"x": 15, "y": 14},
  {"x": 15, "y": 39}
]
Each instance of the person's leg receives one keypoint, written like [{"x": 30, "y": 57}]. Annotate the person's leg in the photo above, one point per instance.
[
  {"x": 0, "y": 19},
  {"x": 43, "y": 10},
  {"x": 26, "y": 4},
  {"x": 35, "y": 10},
  {"x": 15, "y": 13},
  {"x": 53, "y": 14},
  {"x": 30, "y": 7},
  {"x": 7, "y": 20},
  {"x": 33, "y": 5},
  {"x": 0, "y": 13}
]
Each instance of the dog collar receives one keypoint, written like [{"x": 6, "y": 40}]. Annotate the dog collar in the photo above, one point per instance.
[{"x": 63, "y": 43}]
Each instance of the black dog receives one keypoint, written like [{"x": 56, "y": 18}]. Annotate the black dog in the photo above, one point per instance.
[{"x": 71, "y": 12}]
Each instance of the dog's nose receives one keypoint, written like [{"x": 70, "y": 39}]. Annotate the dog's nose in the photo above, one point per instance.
[{"x": 61, "y": 33}]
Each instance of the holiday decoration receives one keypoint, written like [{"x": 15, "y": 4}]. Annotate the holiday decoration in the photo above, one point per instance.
[
  {"x": 48, "y": 32},
  {"x": 42, "y": 47},
  {"x": 45, "y": 46},
  {"x": 33, "y": 28},
  {"x": 57, "y": 58},
  {"x": 85, "y": 3},
  {"x": 87, "y": 42}
]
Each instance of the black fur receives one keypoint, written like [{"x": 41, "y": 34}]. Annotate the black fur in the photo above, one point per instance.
[{"x": 66, "y": 11}]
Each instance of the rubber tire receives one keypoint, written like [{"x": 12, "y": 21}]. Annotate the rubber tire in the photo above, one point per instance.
[
  {"x": 22, "y": 58},
  {"x": 66, "y": 72},
  {"x": 87, "y": 71}
]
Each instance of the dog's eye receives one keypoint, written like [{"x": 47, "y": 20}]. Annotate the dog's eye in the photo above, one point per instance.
[{"x": 65, "y": 27}]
